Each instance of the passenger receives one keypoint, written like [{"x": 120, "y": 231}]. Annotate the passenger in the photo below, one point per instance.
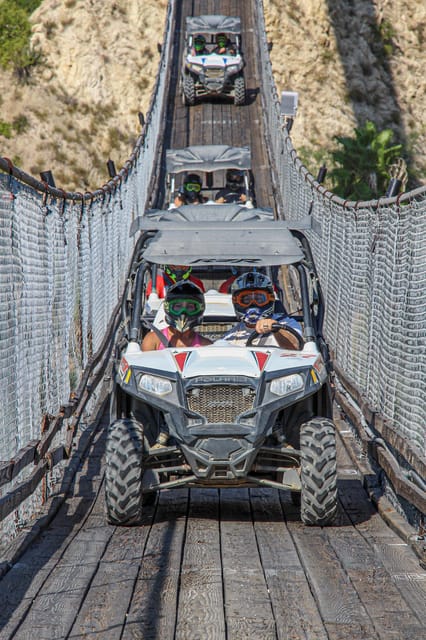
[
  {"x": 184, "y": 307},
  {"x": 234, "y": 190},
  {"x": 190, "y": 191},
  {"x": 254, "y": 303},
  {"x": 199, "y": 47},
  {"x": 171, "y": 274},
  {"x": 223, "y": 45}
]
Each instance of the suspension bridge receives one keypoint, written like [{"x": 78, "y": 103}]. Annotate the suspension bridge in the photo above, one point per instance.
[{"x": 209, "y": 563}]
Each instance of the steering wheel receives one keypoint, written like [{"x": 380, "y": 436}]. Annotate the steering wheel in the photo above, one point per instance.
[{"x": 276, "y": 327}]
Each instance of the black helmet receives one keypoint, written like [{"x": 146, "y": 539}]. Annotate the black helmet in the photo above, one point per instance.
[
  {"x": 234, "y": 179},
  {"x": 221, "y": 39},
  {"x": 191, "y": 187},
  {"x": 253, "y": 291},
  {"x": 199, "y": 43},
  {"x": 184, "y": 305}
]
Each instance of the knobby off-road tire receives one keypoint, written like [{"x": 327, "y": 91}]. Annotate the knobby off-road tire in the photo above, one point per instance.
[
  {"x": 189, "y": 89},
  {"x": 239, "y": 91},
  {"x": 318, "y": 472},
  {"x": 124, "y": 472}
]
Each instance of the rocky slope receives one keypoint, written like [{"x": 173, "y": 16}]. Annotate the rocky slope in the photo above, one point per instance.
[{"x": 349, "y": 61}]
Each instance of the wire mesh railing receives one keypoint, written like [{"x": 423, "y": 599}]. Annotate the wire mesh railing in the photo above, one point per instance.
[
  {"x": 371, "y": 257},
  {"x": 63, "y": 265}
]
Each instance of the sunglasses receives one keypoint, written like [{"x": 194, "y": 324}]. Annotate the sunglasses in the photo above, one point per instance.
[
  {"x": 245, "y": 299},
  {"x": 192, "y": 186},
  {"x": 188, "y": 307}
]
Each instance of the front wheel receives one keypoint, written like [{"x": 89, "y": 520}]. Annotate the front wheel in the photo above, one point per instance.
[
  {"x": 239, "y": 91},
  {"x": 318, "y": 472},
  {"x": 188, "y": 89},
  {"x": 124, "y": 472}
]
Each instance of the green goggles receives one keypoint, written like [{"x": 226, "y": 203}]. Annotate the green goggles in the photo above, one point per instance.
[
  {"x": 192, "y": 186},
  {"x": 180, "y": 306}
]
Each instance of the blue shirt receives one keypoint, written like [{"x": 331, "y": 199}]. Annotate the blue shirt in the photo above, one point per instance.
[{"x": 239, "y": 334}]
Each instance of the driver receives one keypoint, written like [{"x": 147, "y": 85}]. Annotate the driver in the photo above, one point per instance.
[
  {"x": 254, "y": 303},
  {"x": 234, "y": 190},
  {"x": 223, "y": 45}
]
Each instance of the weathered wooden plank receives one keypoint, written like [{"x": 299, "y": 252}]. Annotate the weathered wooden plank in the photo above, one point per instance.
[
  {"x": 52, "y": 612},
  {"x": 201, "y": 593},
  {"x": 389, "y": 612},
  {"x": 406, "y": 574},
  {"x": 382, "y": 547},
  {"x": 336, "y": 597},
  {"x": 66, "y": 585},
  {"x": 249, "y": 616},
  {"x": 105, "y": 606},
  {"x": 295, "y": 611},
  {"x": 152, "y": 613}
]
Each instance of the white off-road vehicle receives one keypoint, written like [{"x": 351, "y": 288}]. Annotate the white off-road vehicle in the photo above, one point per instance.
[
  {"x": 212, "y": 163},
  {"x": 205, "y": 71},
  {"x": 236, "y": 416}
]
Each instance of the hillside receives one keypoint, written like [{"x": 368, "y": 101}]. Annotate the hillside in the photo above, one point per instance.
[{"x": 360, "y": 61}]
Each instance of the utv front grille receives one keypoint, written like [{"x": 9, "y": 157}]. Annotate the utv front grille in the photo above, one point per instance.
[
  {"x": 214, "y": 73},
  {"x": 220, "y": 403}
]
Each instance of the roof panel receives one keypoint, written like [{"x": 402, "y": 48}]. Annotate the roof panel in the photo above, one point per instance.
[
  {"x": 212, "y": 215},
  {"x": 214, "y": 23},
  {"x": 207, "y": 158},
  {"x": 223, "y": 243}
]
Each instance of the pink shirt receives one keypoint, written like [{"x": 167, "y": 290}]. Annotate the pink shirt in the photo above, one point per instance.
[{"x": 166, "y": 332}]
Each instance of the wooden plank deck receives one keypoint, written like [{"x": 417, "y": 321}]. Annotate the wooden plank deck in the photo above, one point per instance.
[{"x": 227, "y": 564}]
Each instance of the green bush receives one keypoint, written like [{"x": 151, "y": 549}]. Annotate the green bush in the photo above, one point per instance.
[
  {"x": 20, "y": 124},
  {"x": 27, "y": 5},
  {"x": 15, "y": 34},
  {"x": 362, "y": 163},
  {"x": 5, "y": 129}
]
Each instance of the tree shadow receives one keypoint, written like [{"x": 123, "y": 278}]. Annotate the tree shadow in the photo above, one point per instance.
[{"x": 370, "y": 82}]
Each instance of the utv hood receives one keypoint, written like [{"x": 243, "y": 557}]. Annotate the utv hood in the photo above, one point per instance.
[{"x": 218, "y": 360}]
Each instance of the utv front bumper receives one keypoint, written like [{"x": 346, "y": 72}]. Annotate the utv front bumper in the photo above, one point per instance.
[{"x": 225, "y": 461}]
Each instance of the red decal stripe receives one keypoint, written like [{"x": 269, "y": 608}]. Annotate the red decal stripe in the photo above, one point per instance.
[
  {"x": 181, "y": 359},
  {"x": 261, "y": 359}
]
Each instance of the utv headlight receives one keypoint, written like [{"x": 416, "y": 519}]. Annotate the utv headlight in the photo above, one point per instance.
[
  {"x": 195, "y": 67},
  {"x": 287, "y": 384},
  {"x": 154, "y": 384},
  {"x": 233, "y": 68}
]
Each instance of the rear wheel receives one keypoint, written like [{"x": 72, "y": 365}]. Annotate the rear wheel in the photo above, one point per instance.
[
  {"x": 189, "y": 89},
  {"x": 318, "y": 472},
  {"x": 124, "y": 472},
  {"x": 239, "y": 91}
]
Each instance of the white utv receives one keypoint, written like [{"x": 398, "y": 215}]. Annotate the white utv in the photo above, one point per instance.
[
  {"x": 206, "y": 72},
  {"x": 212, "y": 164},
  {"x": 236, "y": 416}
]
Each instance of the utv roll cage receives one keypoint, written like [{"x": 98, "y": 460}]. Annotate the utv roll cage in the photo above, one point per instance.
[
  {"x": 210, "y": 25},
  {"x": 232, "y": 237},
  {"x": 212, "y": 162}
]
